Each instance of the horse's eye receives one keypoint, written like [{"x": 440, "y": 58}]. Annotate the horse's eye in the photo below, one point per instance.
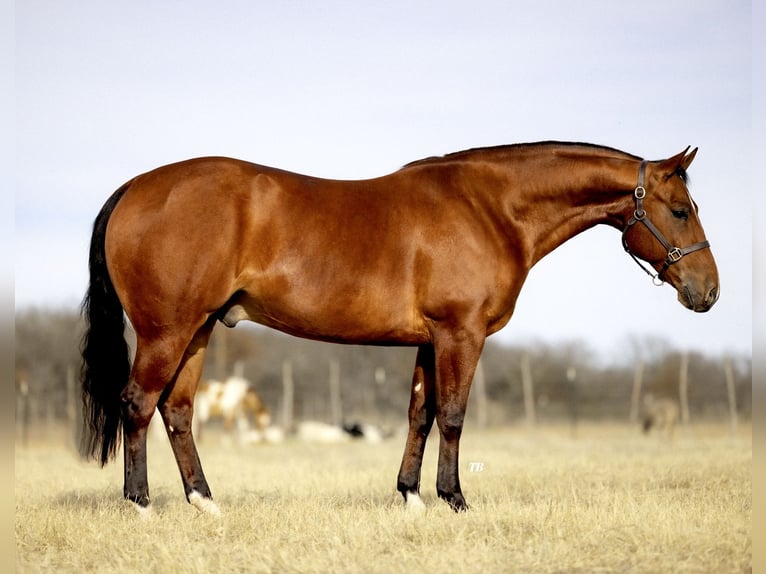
[{"x": 681, "y": 214}]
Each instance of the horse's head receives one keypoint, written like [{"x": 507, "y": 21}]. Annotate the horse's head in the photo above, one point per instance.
[{"x": 665, "y": 231}]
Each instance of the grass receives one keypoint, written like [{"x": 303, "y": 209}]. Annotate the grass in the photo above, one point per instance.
[{"x": 609, "y": 500}]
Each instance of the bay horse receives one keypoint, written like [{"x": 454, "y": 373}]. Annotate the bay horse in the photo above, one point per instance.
[{"x": 433, "y": 255}]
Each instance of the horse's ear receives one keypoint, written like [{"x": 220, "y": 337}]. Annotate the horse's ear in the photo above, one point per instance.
[
  {"x": 688, "y": 159},
  {"x": 681, "y": 160}
]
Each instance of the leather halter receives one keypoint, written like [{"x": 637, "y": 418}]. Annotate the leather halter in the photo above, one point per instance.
[{"x": 674, "y": 253}]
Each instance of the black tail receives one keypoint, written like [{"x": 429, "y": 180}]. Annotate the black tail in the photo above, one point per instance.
[{"x": 105, "y": 354}]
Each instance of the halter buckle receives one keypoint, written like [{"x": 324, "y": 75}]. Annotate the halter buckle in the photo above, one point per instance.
[
  {"x": 674, "y": 255},
  {"x": 640, "y": 192}
]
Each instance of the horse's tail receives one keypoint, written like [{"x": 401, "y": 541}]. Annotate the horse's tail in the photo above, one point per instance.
[{"x": 105, "y": 354}]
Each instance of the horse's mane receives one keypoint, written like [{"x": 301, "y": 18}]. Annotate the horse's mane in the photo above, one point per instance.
[{"x": 464, "y": 154}]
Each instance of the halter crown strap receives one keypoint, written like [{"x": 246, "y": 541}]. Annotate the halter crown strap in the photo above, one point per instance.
[
  {"x": 639, "y": 214},
  {"x": 640, "y": 192}
]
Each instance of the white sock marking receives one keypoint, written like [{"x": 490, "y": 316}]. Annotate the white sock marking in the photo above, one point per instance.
[
  {"x": 205, "y": 505},
  {"x": 145, "y": 512},
  {"x": 414, "y": 502}
]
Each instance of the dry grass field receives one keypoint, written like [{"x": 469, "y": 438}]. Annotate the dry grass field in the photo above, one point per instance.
[{"x": 609, "y": 500}]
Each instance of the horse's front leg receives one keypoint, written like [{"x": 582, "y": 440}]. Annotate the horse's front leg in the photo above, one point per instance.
[
  {"x": 421, "y": 417},
  {"x": 457, "y": 353}
]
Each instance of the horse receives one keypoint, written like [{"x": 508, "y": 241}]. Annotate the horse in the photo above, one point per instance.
[
  {"x": 433, "y": 256},
  {"x": 660, "y": 413},
  {"x": 236, "y": 402}
]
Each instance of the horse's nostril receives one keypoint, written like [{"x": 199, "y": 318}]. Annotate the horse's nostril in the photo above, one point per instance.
[{"x": 712, "y": 296}]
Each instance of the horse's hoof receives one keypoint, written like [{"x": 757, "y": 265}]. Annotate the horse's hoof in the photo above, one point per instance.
[
  {"x": 456, "y": 501},
  {"x": 203, "y": 504}
]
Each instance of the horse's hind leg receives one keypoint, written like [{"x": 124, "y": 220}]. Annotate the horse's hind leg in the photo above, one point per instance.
[
  {"x": 421, "y": 417},
  {"x": 138, "y": 407},
  {"x": 177, "y": 407},
  {"x": 154, "y": 365}
]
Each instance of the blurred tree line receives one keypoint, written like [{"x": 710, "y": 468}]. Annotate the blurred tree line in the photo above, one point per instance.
[{"x": 373, "y": 383}]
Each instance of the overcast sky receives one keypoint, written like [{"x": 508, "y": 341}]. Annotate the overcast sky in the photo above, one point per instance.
[{"x": 107, "y": 90}]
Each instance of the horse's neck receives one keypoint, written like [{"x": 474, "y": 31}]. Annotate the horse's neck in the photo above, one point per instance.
[{"x": 548, "y": 204}]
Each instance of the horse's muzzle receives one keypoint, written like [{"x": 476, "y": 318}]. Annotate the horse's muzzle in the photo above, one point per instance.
[{"x": 699, "y": 301}]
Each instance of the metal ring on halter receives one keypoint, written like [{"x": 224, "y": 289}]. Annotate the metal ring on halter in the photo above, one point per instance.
[{"x": 640, "y": 192}]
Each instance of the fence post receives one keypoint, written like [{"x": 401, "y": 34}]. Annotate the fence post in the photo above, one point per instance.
[
  {"x": 287, "y": 395},
  {"x": 638, "y": 378},
  {"x": 683, "y": 388},
  {"x": 480, "y": 390},
  {"x": 336, "y": 410},
  {"x": 573, "y": 398},
  {"x": 527, "y": 386},
  {"x": 732, "y": 394},
  {"x": 221, "y": 354},
  {"x": 23, "y": 409},
  {"x": 75, "y": 421}
]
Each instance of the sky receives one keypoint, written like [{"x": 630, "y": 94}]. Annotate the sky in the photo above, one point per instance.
[{"x": 348, "y": 90}]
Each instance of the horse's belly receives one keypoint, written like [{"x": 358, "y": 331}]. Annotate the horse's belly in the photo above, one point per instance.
[{"x": 328, "y": 319}]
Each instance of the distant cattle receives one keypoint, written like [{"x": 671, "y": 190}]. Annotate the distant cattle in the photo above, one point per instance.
[
  {"x": 324, "y": 433},
  {"x": 367, "y": 432}
]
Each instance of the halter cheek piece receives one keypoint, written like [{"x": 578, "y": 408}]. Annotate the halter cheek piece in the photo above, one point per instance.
[{"x": 674, "y": 253}]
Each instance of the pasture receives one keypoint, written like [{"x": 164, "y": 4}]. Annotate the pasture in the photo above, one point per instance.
[{"x": 604, "y": 500}]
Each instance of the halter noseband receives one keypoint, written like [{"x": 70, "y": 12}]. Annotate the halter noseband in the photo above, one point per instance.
[{"x": 674, "y": 253}]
